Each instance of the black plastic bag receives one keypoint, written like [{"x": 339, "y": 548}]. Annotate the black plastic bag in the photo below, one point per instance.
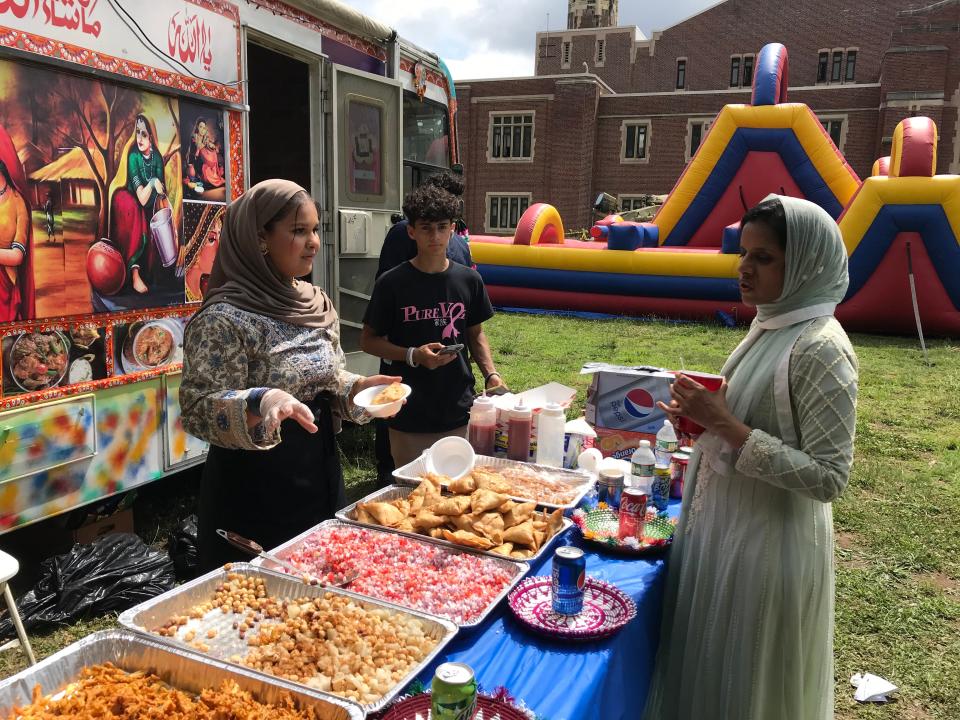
[
  {"x": 182, "y": 546},
  {"x": 113, "y": 573}
]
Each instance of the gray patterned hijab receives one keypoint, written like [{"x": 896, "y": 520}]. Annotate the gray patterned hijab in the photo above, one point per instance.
[{"x": 241, "y": 275}]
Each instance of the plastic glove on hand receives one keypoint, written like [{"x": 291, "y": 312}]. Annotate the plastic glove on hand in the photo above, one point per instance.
[{"x": 278, "y": 405}]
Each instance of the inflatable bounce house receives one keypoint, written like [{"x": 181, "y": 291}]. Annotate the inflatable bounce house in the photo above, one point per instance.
[{"x": 683, "y": 264}]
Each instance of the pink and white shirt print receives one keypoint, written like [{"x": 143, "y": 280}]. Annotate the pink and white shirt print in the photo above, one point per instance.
[{"x": 444, "y": 314}]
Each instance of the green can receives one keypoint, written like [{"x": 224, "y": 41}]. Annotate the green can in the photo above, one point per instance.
[{"x": 454, "y": 692}]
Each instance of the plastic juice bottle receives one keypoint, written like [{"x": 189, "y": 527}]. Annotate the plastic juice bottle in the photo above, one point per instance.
[
  {"x": 482, "y": 428},
  {"x": 550, "y": 433},
  {"x": 642, "y": 464},
  {"x": 519, "y": 425},
  {"x": 666, "y": 443}
]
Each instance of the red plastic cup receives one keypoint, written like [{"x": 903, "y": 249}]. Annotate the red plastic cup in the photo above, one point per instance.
[{"x": 712, "y": 383}]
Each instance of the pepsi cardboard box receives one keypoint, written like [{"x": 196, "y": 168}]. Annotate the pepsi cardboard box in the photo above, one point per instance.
[{"x": 625, "y": 398}]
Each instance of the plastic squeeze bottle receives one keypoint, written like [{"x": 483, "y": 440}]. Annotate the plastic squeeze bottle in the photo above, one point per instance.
[
  {"x": 666, "y": 443},
  {"x": 550, "y": 433},
  {"x": 482, "y": 428},
  {"x": 519, "y": 425},
  {"x": 642, "y": 463}
]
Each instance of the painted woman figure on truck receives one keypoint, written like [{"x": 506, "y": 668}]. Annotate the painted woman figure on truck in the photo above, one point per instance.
[
  {"x": 202, "y": 223},
  {"x": 17, "y": 296},
  {"x": 140, "y": 193},
  {"x": 205, "y": 156}
]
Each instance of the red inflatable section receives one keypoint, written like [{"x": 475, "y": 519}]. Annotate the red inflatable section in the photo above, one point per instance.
[
  {"x": 916, "y": 156},
  {"x": 760, "y": 172},
  {"x": 543, "y": 216},
  {"x": 505, "y": 296},
  {"x": 568, "y": 244},
  {"x": 883, "y": 304}
]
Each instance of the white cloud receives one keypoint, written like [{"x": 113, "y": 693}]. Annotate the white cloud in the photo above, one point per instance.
[
  {"x": 495, "y": 38},
  {"x": 483, "y": 63}
]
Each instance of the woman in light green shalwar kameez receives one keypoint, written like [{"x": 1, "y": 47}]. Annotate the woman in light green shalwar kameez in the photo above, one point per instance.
[{"x": 747, "y": 629}]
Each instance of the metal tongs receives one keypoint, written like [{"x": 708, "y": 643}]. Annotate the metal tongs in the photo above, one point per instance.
[{"x": 256, "y": 549}]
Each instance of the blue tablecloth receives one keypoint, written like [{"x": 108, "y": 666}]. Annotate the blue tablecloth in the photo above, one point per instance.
[{"x": 563, "y": 680}]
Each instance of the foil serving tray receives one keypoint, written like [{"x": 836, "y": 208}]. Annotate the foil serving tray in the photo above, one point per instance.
[
  {"x": 518, "y": 569},
  {"x": 578, "y": 481},
  {"x": 154, "y": 613},
  {"x": 181, "y": 669},
  {"x": 396, "y": 492}
]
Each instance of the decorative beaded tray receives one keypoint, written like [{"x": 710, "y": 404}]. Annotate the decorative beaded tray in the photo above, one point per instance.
[
  {"x": 606, "y": 609},
  {"x": 417, "y": 707},
  {"x": 599, "y": 527}
]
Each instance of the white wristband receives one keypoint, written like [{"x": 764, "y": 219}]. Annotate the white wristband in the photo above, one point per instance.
[{"x": 410, "y": 360}]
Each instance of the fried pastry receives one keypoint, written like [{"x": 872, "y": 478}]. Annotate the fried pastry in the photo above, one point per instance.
[{"x": 391, "y": 393}]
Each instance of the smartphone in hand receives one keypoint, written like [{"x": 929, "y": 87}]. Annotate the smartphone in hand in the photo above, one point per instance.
[{"x": 450, "y": 349}]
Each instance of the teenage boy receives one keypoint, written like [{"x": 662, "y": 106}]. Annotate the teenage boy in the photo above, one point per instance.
[
  {"x": 398, "y": 247},
  {"x": 417, "y": 309}
]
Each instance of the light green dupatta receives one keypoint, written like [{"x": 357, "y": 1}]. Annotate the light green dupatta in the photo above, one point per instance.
[{"x": 815, "y": 281}]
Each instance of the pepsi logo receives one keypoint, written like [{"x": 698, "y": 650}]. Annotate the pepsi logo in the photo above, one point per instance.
[
  {"x": 581, "y": 580},
  {"x": 638, "y": 402}
]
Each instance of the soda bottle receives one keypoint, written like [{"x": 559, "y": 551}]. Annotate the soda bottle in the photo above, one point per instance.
[
  {"x": 666, "y": 443},
  {"x": 641, "y": 467}
]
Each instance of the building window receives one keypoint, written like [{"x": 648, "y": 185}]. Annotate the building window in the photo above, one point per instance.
[
  {"x": 851, "y": 73},
  {"x": 696, "y": 132},
  {"x": 746, "y": 79},
  {"x": 504, "y": 210},
  {"x": 633, "y": 202},
  {"x": 511, "y": 137},
  {"x": 822, "y": 66},
  {"x": 635, "y": 142},
  {"x": 601, "y": 51},
  {"x": 835, "y": 68},
  {"x": 834, "y": 126},
  {"x": 735, "y": 71},
  {"x": 565, "y": 60},
  {"x": 681, "y": 73}
]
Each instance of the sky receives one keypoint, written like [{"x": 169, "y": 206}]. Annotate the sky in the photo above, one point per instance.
[{"x": 495, "y": 38}]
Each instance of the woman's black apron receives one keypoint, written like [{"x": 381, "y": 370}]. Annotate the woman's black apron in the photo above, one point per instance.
[{"x": 270, "y": 495}]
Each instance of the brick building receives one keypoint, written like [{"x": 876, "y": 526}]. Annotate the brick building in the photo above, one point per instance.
[{"x": 610, "y": 110}]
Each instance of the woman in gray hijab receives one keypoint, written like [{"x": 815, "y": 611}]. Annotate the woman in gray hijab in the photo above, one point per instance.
[
  {"x": 747, "y": 629},
  {"x": 262, "y": 357}
]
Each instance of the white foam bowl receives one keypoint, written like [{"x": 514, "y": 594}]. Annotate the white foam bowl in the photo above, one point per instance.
[
  {"x": 451, "y": 456},
  {"x": 365, "y": 397}
]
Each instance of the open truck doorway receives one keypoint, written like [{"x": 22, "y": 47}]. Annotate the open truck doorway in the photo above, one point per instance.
[{"x": 279, "y": 124}]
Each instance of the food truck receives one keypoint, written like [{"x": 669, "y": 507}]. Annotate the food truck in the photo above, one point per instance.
[{"x": 125, "y": 129}]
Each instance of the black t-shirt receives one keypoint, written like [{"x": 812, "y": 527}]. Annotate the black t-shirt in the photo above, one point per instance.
[{"x": 412, "y": 308}]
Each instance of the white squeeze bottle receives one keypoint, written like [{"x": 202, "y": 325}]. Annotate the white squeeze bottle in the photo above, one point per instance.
[
  {"x": 641, "y": 467},
  {"x": 550, "y": 433},
  {"x": 666, "y": 443}
]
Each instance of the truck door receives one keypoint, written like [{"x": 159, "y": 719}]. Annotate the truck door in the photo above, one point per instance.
[{"x": 365, "y": 190}]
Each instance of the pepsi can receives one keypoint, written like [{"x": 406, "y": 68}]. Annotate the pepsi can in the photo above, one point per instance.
[{"x": 569, "y": 578}]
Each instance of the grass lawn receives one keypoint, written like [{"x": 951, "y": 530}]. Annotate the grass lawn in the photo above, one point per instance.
[{"x": 898, "y": 551}]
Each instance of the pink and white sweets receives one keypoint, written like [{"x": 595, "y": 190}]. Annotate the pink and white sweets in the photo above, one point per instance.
[{"x": 415, "y": 574}]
